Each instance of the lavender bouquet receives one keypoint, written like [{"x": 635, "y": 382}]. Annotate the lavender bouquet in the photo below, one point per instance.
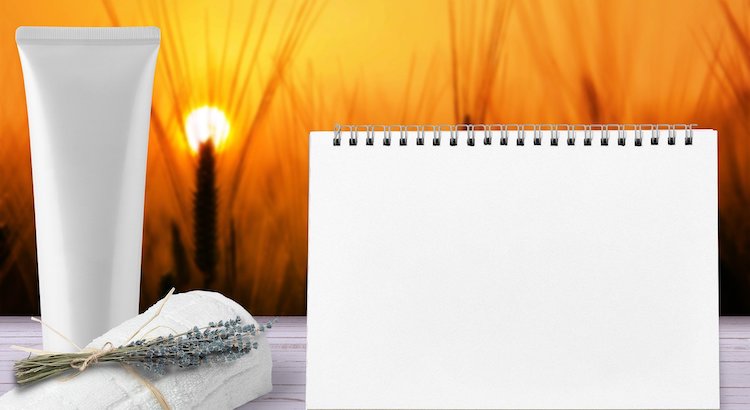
[{"x": 218, "y": 342}]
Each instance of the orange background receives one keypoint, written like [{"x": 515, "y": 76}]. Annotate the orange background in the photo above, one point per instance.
[{"x": 282, "y": 68}]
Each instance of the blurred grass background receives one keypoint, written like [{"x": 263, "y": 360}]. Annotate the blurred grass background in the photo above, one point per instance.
[{"x": 281, "y": 68}]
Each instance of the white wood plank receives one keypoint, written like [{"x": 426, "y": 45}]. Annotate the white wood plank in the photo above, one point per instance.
[
  {"x": 735, "y": 395},
  {"x": 288, "y": 344}
]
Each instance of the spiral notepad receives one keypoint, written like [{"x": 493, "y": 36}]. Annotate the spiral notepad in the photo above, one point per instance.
[{"x": 513, "y": 267}]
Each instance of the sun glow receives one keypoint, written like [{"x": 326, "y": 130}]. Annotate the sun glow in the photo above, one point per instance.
[{"x": 206, "y": 123}]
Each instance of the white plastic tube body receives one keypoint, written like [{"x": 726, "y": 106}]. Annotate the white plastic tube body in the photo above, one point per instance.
[{"x": 88, "y": 95}]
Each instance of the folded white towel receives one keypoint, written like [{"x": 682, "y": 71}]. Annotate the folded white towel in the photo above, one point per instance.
[{"x": 208, "y": 386}]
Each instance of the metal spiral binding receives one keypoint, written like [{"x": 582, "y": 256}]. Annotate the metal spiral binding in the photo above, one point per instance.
[{"x": 487, "y": 133}]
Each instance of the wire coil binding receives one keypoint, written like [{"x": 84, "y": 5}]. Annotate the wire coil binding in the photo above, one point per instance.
[{"x": 487, "y": 133}]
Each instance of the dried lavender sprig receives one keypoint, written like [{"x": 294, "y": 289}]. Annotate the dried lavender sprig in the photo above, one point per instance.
[{"x": 224, "y": 341}]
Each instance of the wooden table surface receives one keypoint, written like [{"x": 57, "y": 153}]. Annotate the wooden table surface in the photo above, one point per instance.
[{"x": 288, "y": 341}]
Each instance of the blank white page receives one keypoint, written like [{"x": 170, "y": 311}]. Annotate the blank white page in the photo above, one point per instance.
[{"x": 513, "y": 277}]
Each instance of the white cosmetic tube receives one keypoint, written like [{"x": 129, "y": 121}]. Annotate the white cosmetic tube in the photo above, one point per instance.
[{"x": 88, "y": 95}]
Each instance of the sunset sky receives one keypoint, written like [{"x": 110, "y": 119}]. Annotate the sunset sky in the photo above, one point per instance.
[{"x": 278, "y": 69}]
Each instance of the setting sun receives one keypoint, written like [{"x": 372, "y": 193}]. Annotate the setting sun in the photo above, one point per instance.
[{"x": 206, "y": 123}]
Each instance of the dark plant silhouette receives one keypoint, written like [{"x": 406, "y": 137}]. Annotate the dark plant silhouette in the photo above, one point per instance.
[
  {"x": 476, "y": 32},
  {"x": 179, "y": 277},
  {"x": 180, "y": 259},
  {"x": 231, "y": 258},
  {"x": 730, "y": 70},
  {"x": 204, "y": 213},
  {"x": 4, "y": 256},
  {"x": 12, "y": 281}
]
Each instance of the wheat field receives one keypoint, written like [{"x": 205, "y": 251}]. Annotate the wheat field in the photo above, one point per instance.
[{"x": 279, "y": 69}]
